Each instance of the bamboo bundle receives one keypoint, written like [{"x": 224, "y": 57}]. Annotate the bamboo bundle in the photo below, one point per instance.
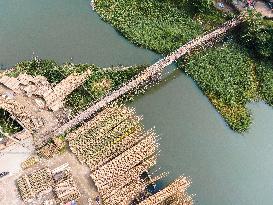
[
  {"x": 29, "y": 186},
  {"x": 124, "y": 162},
  {"x": 116, "y": 149},
  {"x": 41, "y": 180},
  {"x": 158, "y": 177},
  {"x": 32, "y": 160},
  {"x": 121, "y": 124},
  {"x": 112, "y": 135},
  {"x": 51, "y": 149},
  {"x": 64, "y": 187},
  {"x": 178, "y": 186},
  {"x": 67, "y": 190},
  {"x": 25, "y": 188},
  {"x": 117, "y": 134},
  {"x": 133, "y": 174},
  {"x": 99, "y": 128},
  {"x": 181, "y": 199},
  {"x": 113, "y": 121},
  {"x": 90, "y": 124},
  {"x": 87, "y": 151},
  {"x": 126, "y": 194}
]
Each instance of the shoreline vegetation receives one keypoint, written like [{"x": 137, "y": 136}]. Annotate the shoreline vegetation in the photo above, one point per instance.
[
  {"x": 229, "y": 73},
  {"x": 98, "y": 84}
]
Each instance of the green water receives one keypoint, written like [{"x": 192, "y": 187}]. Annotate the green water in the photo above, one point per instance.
[{"x": 226, "y": 168}]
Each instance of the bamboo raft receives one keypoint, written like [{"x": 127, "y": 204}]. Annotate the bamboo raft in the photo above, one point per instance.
[{"x": 118, "y": 151}]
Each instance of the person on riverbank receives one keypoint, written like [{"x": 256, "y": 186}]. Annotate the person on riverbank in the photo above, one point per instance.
[{"x": 98, "y": 200}]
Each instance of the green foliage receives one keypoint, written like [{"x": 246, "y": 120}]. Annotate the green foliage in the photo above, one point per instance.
[
  {"x": 193, "y": 6},
  {"x": 201, "y": 5},
  {"x": 226, "y": 75},
  {"x": 226, "y": 71},
  {"x": 98, "y": 85},
  {"x": 258, "y": 35},
  {"x": 49, "y": 69},
  {"x": 265, "y": 77},
  {"x": 157, "y": 25},
  {"x": 237, "y": 116}
]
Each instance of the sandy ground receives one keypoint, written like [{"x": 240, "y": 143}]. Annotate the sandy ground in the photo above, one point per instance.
[
  {"x": 8, "y": 191},
  {"x": 12, "y": 160},
  {"x": 81, "y": 175},
  {"x": 12, "y": 157},
  {"x": 263, "y": 9},
  {"x": 259, "y": 6}
]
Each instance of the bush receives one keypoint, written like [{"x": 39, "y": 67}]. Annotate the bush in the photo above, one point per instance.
[
  {"x": 8, "y": 124},
  {"x": 265, "y": 77},
  {"x": 258, "y": 35},
  {"x": 153, "y": 24}
]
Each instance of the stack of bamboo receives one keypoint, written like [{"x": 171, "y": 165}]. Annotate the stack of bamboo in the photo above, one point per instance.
[
  {"x": 32, "y": 160},
  {"x": 30, "y": 185},
  {"x": 67, "y": 190},
  {"x": 126, "y": 161},
  {"x": 176, "y": 191},
  {"x": 25, "y": 188},
  {"x": 96, "y": 142},
  {"x": 65, "y": 187},
  {"x": 118, "y": 152},
  {"x": 41, "y": 180},
  {"x": 107, "y": 189},
  {"x": 51, "y": 148}
]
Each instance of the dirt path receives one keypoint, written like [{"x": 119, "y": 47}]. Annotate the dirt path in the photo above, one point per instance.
[{"x": 264, "y": 9}]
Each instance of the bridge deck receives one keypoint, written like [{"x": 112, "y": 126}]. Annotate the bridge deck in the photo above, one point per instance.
[{"x": 149, "y": 72}]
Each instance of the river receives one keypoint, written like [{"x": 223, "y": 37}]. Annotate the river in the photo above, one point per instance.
[{"x": 226, "y": 168}]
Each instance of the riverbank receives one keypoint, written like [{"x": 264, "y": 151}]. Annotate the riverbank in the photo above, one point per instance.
[
  {"x": 98, "y": 84},
  {"x": 164, "y": 26}
]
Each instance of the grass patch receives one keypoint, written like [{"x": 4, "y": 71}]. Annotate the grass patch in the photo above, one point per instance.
[
  {"x": 160, "y": 25},
  {"x": 237, "y": 116}
]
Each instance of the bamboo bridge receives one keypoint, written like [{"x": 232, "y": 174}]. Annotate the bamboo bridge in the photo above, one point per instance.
[{"x": 155, "y": 69}]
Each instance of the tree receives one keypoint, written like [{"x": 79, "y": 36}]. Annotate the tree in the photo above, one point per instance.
[
  {"x": 201, "y": 5},
  {"x": 258, "y": 35}
]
